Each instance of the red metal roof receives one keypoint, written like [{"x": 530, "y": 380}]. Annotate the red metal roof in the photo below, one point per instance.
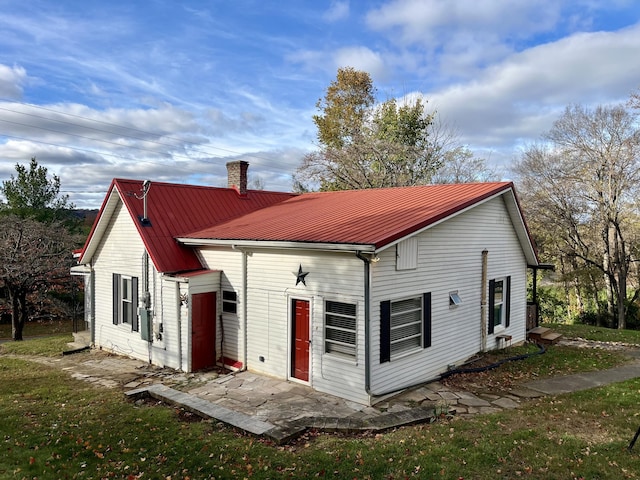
[
  {"x": 175, "y": 209},
  {"x": 364, "y": 217}
]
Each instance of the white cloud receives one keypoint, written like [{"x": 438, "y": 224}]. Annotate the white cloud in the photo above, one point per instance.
[
  {"x": 12, "y": 80},
  {"x": 515, "y": 101},
  {"x": 361, "y": 58},
  {"x": 457, "y": 38},
  {"x": 436, "y": 22},
  {"x": 339, "y": 10}
]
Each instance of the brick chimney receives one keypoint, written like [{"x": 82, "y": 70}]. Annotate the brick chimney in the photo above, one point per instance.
[{"x": 237, "y": 176}]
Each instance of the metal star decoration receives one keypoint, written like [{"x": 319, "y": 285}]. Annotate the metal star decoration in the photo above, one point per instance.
[{"x": 300, "y": 276}]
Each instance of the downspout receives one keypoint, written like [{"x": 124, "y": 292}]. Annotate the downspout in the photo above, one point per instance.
[
  {"x": 179, "y": 319},
  {"x": 245, "y": 354},
  {"x": 146, "y": 300},
  {"x": 367, "y": 321},
  {"x": 92, "y": 313},
  {"x": 483, "y": 300}
]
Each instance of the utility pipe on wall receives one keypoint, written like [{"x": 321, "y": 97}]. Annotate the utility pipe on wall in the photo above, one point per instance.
[{"x": 483, "y": 300}]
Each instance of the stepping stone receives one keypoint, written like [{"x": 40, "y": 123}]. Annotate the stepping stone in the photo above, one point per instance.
[
  {"x": 506, "y": 403},
  {"x": 526, "y": 393},
  {"x": 413, "y": 396},
  {"x": 473, "y": 401},
  {"x": 434, "y": 397},
  {"x": 489, "y": 397},
  {"x": 448, "y": 395},
  {"x": 398, "y": 408}
]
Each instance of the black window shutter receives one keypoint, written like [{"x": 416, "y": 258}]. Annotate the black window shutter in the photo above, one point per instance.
[
  {"x": 426, "y": 319},
  {"x": 507, "y": 303},
  {"x": 385, "y": 331},
  {"x": 134, "y": 304},
  {"x": 492, "y": 305},
  {"x": 116, "y": 298}
]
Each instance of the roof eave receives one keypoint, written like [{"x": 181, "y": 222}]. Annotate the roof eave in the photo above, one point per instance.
[
  {"x": 513, "y": 208},
  {"x": 99, "y": 225},
  {"x": 522, "y": 230},
  {"x": 276, "y": 244}
]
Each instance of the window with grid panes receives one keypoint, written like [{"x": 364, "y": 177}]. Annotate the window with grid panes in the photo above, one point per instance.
[{"x": 340, "y": 328}]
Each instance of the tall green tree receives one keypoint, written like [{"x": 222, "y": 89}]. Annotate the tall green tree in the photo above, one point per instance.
[
  {"x": 32, "y": 192},
  {"x": 362, "y": 144}
]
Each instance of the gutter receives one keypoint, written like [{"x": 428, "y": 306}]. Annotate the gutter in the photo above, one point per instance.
[
  {"x": 240, "y": 243},
  {"x": 245, "y": 351},
  {"x": 367, "y": 320}
]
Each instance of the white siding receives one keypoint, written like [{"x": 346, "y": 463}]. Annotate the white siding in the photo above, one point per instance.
[
  {"x": 167, "y": 310},
  {"x": 121, "y": 251},
  {"x": 271, "y": 285},
  {"x": 450, "y": 259}
]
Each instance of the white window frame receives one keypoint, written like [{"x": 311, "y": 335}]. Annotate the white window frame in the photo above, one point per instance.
[
  {"x": 500, "y": 325},
  {"x": 228, "y": 302},
  {"x": 400, "y": 351},
  {"x": 454, "y": 299},
  {"x": 126, "y": 301},
  {"x": 340, "y": 346}
]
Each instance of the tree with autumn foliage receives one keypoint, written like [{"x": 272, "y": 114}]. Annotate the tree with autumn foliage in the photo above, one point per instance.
[
  {"x": 367, "y": 145},
  {"x": 580, "y": 189},
  {"x": 35, "y": 240},
  {"x": 34, "y": 256}
]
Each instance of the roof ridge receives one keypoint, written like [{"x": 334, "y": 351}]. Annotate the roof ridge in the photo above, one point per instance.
[
  {"x": 192, "y": 185},
  {"x": 408, "y": 187}
]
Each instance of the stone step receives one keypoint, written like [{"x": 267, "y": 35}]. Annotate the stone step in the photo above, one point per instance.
[
  {"x": 550, "y": 338},
  {"x": 543, "y": 335}
]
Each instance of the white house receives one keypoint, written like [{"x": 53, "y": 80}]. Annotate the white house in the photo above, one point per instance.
[{"x": 355, "y": 293}]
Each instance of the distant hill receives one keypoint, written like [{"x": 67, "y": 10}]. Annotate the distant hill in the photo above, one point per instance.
[{"x": 87, "y": 216}]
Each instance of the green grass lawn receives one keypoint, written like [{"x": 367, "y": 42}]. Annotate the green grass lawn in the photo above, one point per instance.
[
  {"x": 53, "y": 426},
  {"x": 49, "y": 346},
  {"x": 589, "y": 332},
  {"x": 36, "y": 329}
]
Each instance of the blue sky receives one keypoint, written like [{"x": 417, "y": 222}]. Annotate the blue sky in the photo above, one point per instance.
[{"x": 171, "y": 91}]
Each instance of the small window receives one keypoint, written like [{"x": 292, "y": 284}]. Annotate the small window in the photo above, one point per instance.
[
  {"x": 499, "y": 303},
  {"x": 127, "y": 298},
  {"x": 454, "y": 299},
  {"x": 229, "y": 302},
  {"x": 340, "y": 328}
]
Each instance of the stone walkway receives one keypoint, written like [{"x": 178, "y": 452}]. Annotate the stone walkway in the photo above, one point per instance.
[{"x": 280, "y": 410}]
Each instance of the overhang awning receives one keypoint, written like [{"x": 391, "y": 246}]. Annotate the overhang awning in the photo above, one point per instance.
[{"x": 80, "y": 270}]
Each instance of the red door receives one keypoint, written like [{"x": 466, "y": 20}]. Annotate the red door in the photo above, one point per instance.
[
  {"x": 300, "y": 336},
  {"x": 203, "y": 330}
]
